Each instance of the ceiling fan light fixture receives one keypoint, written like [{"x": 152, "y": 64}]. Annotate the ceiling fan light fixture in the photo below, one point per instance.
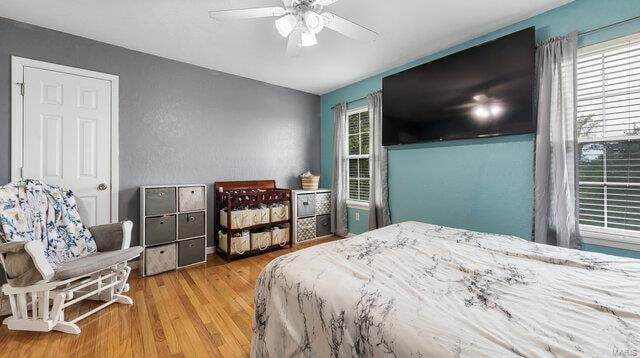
[
  {"x": 308, "y": 39},
  {"x": 314, "y": 22},
  {"x": 286, "y": 24},
  {"x": 299, "y": 21}
]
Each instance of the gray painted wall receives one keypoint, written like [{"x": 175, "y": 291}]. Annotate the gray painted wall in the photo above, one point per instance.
[{"x": 179, "y": 123}]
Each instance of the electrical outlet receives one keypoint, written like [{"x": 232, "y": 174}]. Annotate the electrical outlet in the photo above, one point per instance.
[{"x": 357, "y": 216}]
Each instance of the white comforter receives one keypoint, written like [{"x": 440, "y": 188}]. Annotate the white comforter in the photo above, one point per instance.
[{"x": 418, "y": 290}]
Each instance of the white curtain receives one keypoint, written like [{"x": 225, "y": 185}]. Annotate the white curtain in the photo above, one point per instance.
[
  {"x": 556, "y": 203},
  {"x": 339, "y": 197},
  {"x": 378, "y": 193}
]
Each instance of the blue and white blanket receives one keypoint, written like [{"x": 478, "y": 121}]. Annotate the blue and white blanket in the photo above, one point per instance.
[{"x": 32, "y": 210}]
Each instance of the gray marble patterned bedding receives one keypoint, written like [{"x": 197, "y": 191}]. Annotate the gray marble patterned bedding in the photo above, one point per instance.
[{"x": 419, "y": 290}]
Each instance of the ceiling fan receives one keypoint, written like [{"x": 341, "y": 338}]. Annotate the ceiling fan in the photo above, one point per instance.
[{"x": 300, "y": 21}]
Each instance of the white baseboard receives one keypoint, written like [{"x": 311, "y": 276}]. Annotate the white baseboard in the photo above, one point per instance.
[{"x": 211, "y": 250}]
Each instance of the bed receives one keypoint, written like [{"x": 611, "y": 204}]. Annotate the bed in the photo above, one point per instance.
[{"x": 420, "y": 290}]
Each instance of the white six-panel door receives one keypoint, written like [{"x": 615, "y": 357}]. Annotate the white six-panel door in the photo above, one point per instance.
[{"x": 67, "y": 137}]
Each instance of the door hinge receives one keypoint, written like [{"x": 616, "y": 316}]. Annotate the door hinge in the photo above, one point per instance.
[
  {"x": 21, "y": 172},
  {"x": 21, "y": 88}
]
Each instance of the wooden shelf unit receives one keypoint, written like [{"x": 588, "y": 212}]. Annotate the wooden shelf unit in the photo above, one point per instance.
[{"x": 266, "y": 193}]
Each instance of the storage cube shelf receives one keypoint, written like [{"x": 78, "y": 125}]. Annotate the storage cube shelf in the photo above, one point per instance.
[
  {"x": 173, "y": 227},
  {"x": 252, "y": 230},
  {"x": 312, "y": 214}
]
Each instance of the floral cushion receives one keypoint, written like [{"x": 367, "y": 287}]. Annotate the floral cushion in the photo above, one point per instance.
[{"x": 32, "y": 210}]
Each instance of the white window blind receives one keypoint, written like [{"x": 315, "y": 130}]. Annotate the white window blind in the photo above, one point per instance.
[
  {"x": 358, "y": 154},
  {"x": 608, "y": 128}
]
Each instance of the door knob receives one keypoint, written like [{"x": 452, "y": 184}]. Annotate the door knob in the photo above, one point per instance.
[{"x": 102, "y": 186}]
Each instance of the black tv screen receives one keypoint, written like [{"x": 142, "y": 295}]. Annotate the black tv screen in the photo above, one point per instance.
[{"x": 479, "y": 92}]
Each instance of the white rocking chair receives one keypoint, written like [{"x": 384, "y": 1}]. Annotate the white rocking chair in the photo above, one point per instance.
[{"x": 101, "y": 276}]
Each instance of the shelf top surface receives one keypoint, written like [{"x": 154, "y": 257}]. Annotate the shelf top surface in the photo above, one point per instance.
[
  {"x": 171, "y": 186},
  {"x": 247, "y": 184},
  {"x": 301, "y": 191}
]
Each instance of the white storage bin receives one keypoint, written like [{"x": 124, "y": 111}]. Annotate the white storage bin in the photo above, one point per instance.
[
  {"x": 259, "y": 216},
  {"x": 239, "y": 218},
  {"x": 239, "y": 244},
  {"x": 160, "y": 259},
  {"x": 260, "y": 240},
  {"x": 280, "y": 236},
  {"x": 279, "y": 213}
]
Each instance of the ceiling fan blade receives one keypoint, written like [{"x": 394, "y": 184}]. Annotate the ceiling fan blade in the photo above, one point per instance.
[
  {"x": 348, "y": 28},
  {"x": 241, "y": 14},
  {"x": 294, "y": 43}
]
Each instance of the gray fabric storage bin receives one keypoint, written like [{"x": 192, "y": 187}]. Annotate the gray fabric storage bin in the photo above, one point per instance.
[
  {"x": 160, "y": 201},
  {"x": 159, "y": 230},
  {"x": 191, "y": 251},
  {"x": 306, "y": 205},
  {"x": 160, "y": 259},
  {"x": 323, "y": 225},
  {"x": 191, "y": 198},
  {"x": 190, "y": 225}
]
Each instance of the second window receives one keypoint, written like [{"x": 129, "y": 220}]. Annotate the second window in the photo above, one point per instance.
[{"x": 358, "y": 154}]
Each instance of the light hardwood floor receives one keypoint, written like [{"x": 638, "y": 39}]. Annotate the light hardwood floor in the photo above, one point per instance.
[{"x": 203, "y": 311}]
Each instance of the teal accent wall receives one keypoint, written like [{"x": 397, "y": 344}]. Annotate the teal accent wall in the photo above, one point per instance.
[
  {"x": 481, "y": 184},
  {"x": 358, "y": 226},
  {"x": 477, "y": 184}
]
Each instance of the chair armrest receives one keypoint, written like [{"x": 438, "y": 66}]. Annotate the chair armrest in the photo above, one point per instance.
[
  {"x": 12, "y": 247},
  {"x": 36, "y": 251},
  {"x": 112, "y": 237},
  {"x": 19, "y": 260}
]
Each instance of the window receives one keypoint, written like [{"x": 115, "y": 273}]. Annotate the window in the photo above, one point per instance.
[
  {"x": 358, "y": 154},
  {"x": 608, "y": 129}
]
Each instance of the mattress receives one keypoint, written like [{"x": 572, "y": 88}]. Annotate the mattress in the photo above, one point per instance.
[{"x": 419, "y": 290}]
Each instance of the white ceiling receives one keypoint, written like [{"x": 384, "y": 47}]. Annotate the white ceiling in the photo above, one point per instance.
[{"x": 182, "y": 30}]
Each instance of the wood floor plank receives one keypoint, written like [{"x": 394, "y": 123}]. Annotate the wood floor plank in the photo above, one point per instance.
[{"x": 201, "y": 311}]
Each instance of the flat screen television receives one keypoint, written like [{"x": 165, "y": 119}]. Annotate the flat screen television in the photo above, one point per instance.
[{"x": 483, "y": 91}]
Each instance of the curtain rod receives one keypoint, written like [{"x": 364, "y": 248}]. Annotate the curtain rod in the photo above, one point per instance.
[
  {"x": 597, "y": 29},
  {"x": 355, "y": 100},
  {"x": 609, "y": 26}
]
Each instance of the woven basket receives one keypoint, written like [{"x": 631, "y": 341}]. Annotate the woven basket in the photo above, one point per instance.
[{"x": 310, "y": 182}]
